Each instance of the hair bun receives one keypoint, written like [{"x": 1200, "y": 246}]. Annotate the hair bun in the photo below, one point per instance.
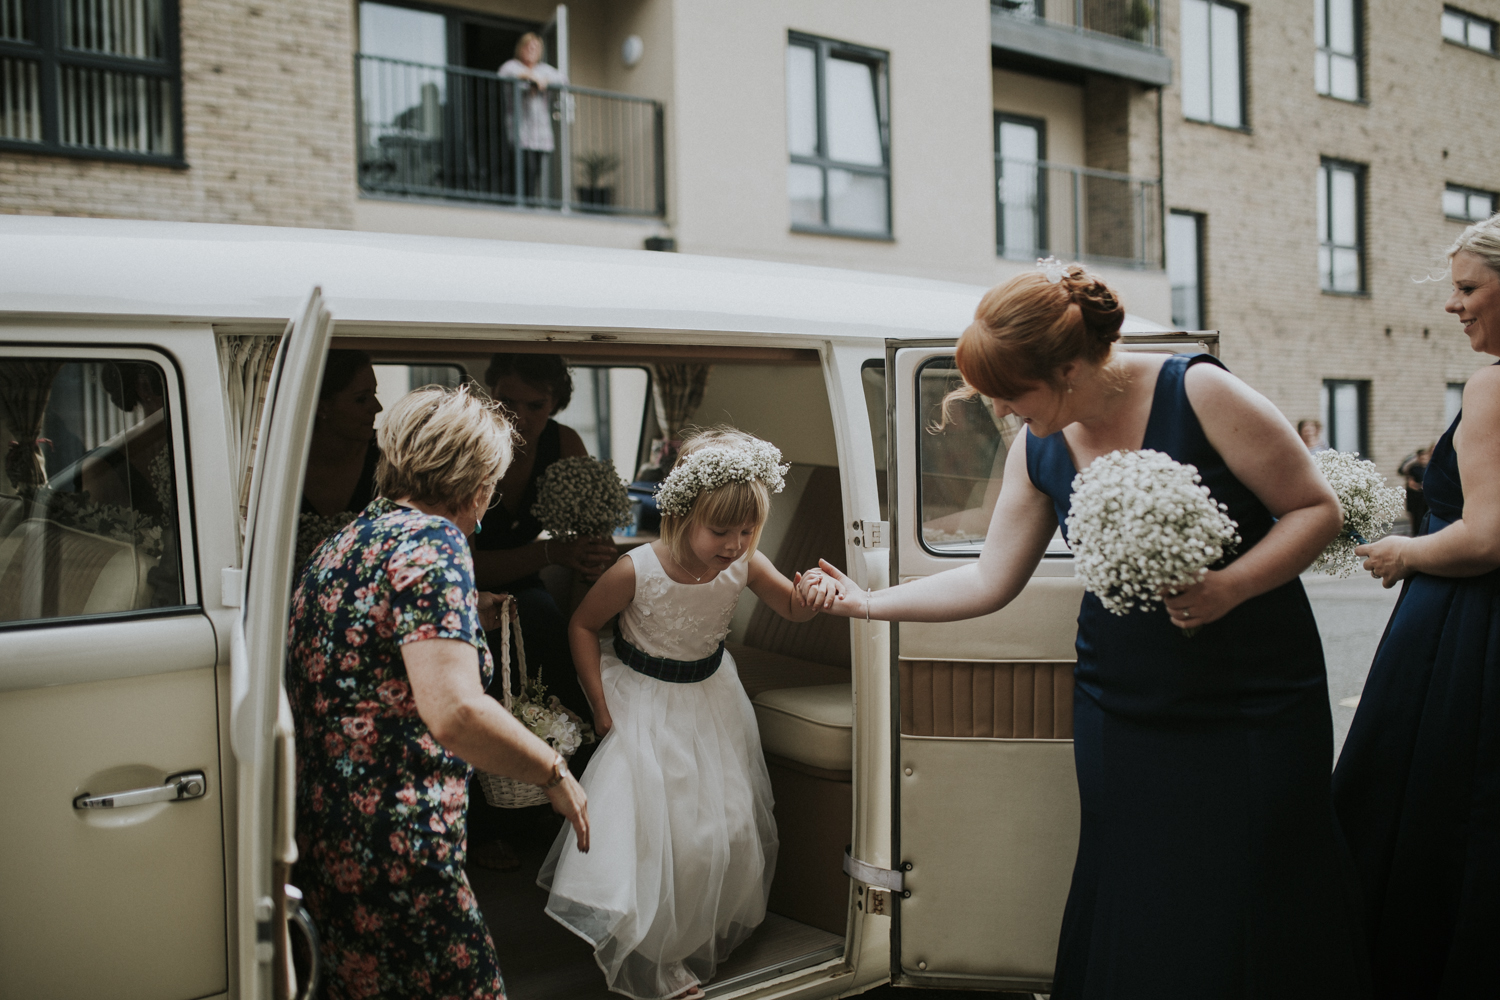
[{"x": 1102, "y": 313}]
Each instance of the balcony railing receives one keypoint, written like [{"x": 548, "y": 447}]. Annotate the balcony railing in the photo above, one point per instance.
[
  {"x": 1133, "y": 20},
  {"x": 1076, "y": 213},
  {"x": 462, "y": 134}
]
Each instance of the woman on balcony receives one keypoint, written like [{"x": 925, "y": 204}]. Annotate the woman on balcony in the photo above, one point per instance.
[{"x": 534, "y": 130}]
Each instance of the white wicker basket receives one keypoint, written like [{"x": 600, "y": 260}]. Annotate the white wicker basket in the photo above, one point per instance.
[{"x": 499, "y": 791}]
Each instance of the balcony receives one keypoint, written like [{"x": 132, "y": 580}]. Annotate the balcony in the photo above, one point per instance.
[
  {"x": 1115, "y": 37},
  {"x": 466, "y": 135},
  {"x": 1077, "y": 213}
]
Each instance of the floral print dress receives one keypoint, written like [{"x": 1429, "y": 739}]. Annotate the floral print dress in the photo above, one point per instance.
[{"x": 380, "y": 804}]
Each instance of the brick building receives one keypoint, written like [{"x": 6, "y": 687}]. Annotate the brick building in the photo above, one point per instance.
[{"x": 1180, "y": 146}]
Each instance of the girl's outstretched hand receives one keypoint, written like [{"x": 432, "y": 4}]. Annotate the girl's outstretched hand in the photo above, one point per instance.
[
  {"x": 815, "y": 590},
  {"x": 849, "y": 600}
]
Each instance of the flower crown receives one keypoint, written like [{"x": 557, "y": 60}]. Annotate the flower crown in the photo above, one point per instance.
[{"x": 719, "y": 465}]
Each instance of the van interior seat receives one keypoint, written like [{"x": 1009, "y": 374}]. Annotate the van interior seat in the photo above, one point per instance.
[
  {"x": 53, "y": 571},
  {"x": 810, "y": 725}
]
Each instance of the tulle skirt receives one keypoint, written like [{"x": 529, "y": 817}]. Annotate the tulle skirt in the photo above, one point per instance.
[{"x": 683, "y": 843}]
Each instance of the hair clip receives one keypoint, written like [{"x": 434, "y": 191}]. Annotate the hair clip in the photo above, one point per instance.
[{"x": 1052, "y": 268}]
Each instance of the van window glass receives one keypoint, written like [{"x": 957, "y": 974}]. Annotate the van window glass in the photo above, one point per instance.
[
  {"x": 872, "y": 377},
  {"x": 88, "y": 494},
  {"x": 608, "y": 410},
  {"x": 961, "y": 461},
  {"x": 394, "y": 381}
]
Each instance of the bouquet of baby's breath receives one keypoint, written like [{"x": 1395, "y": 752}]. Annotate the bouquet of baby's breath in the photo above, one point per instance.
[
  {"x": 1141, "y": 522},
  {"x": 581, "y": 498},
  {"x": 1370, "y": 508}
]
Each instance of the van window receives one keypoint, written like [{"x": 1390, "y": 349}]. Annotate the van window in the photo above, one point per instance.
[
  {"x": 872, "y": 378},
  {"x": 961, "y": 461},
  {"x": 608, "y": 410},
  {"x": 88, "y": 493}
]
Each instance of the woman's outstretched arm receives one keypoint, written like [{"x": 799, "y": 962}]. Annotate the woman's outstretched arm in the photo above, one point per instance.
[
  {"x": 1471, "y": 545},
  {"x": 1022, "y": 525}
]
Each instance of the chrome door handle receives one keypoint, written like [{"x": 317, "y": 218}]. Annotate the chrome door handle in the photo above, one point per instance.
[{"x": 177, "y": 787}]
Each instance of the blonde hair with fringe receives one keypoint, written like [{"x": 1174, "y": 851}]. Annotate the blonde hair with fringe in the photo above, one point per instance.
[
  {"x": 442, "y": 447},
  {"x": 729, "y": 506},
  {"x": 1482, "y": 239}
]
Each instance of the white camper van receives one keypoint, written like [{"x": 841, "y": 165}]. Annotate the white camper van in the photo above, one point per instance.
[{"x": 157, "y": 383}]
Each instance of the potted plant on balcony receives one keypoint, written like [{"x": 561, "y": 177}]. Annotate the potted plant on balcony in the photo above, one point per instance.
[{"x": 596, "y": 167}]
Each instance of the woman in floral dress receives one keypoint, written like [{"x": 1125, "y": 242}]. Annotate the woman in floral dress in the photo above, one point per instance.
[{"x": 386, "y": 678}]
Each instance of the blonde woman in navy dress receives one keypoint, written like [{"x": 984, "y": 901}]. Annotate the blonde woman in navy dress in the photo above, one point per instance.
[
  {"x": 1418, "y": 782},
  {"x": 1209, "y": 862}
]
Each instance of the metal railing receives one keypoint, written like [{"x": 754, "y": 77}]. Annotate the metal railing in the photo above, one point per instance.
[
  {"x": 464, "y": 134},
  {"x": 1076, "y": 213},
  {"x": 1133, "y": 20}
]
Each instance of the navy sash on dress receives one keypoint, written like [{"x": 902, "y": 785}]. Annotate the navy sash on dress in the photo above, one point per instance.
[{"x": 663, "y": 669}]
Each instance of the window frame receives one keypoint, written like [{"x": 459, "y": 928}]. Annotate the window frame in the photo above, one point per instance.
[
  {"x": 177, "y": 418},
  {"x": 823, "y": 50},
  {"x": 1042, "y": 221},
  {"x": 1468, "y": 19},
  {"x": 1329, "y": 412},
  {"x": 1200, "y": 224},
  {"x": 1326, "y": 166},
  {"x": 1242, "y": 15},
  {"x": 1358, "y": 55},
  {"x": 1467, "y": 192},
  {"x": 51, "y": 56}
]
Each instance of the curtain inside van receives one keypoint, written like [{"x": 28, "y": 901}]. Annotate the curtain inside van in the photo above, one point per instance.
[{"x": 245, "y": 364}]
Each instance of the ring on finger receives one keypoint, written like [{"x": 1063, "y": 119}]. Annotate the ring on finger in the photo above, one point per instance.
[{"x": 1186, "y": 614}]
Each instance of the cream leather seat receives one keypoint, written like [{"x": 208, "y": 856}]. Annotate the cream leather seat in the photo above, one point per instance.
[{"x": 810, "y": 725}]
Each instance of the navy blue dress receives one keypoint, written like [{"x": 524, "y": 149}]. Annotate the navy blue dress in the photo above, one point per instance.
[
  {"x": 1418, "y": 784},
  {"x": 1209, "y": 861}
]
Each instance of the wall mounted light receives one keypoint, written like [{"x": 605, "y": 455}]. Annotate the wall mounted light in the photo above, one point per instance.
[{"x": 631, "y": 50}]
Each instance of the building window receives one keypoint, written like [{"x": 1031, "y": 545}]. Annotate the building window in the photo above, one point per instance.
[
  {"x": 838, "y": 134},
  {"x": 1336, "y": 69},
  {"x": 1020, "y": 186},
  {"x": 1466, "y": 29},
  {"x": 1341, "y": 237},
  {"x": 1453, "y": 402},
  {"x": 1345, "y": 414},
  {"x": 1468, "y": 204},
  {"x": 1185, "y": 268},
  {"x": 1213, "y": 75},
  {"x": 93, "y": 80}
]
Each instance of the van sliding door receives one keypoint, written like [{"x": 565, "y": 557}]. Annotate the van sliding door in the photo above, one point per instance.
[{"x": 985, "y": 804}]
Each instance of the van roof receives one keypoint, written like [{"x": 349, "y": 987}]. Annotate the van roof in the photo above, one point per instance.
[{"x": 61, "y": 268}]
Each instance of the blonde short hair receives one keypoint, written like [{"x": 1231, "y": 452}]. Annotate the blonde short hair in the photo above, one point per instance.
[
  {"x": 442, "y": 446},
  {"x": 1482, "y": 239},
  {"x": 729, "y": 506}
]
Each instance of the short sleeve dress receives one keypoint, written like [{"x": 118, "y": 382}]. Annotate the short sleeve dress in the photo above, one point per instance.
[{"x": 380, "y": 804}]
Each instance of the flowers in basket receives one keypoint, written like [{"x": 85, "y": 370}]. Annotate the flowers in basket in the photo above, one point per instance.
[
  {"x": 1370, "y": 508},
  {"x": 1141, "y": 522},
  {"x": 581, "y": 497},
  {"x": 547, "y": 717}
]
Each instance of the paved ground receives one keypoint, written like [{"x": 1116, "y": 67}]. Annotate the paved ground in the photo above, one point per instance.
[{"x": 1351, "y": 616}]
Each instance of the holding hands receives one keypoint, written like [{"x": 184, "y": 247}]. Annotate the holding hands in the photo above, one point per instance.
[{"x": 828, "y": 589}]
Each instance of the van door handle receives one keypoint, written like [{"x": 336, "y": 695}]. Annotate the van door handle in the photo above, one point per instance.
[{"x": 177, "y": 787}]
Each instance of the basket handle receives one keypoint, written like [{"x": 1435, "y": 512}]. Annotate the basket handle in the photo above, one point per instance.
[{"x": 510, "y": 613}]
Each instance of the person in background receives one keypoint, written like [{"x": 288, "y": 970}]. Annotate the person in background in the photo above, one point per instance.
[
  {"x": 535, "y": 129},
  {"x": 385, "y": 676},
  {"x": 1417, "y": 787},
  {"x": 1311, "y": 433},
  {"x": 509, "y": 556},
  {"x": 1412, "y": 468},
  {"x": 342, "y": 456}
]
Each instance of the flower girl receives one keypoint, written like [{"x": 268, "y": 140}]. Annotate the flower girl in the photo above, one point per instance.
[{"x": 683, "y": 841}]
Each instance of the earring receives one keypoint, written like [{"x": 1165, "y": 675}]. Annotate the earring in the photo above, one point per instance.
[{"x": 1070, "y": 385}]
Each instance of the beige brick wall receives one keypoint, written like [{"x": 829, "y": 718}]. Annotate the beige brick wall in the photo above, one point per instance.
[
  {"x": 268, "y": 128},
  {"x": 1432, "y": 116}
]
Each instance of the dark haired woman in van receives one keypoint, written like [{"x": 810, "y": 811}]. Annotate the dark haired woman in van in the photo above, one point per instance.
[
  {"x": 1209, "y": 863},
  {"x": 340, "y": 479},
  {"x": 1418, "y": 782},
  {"x": 508, "y": 555},
  {"x": 385, "y": 675}
]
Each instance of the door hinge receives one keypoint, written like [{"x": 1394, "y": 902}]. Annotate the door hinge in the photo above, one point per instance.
[
  {"x": 871, "y": 875},
  {"x": 872, "y": 534}
]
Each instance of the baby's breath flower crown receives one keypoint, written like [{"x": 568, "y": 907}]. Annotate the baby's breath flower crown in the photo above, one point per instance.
[
  {"x": 716, "y": 466},
  {"x": 1141, "y": 521},
  {"x": 1370, "y": 508}
]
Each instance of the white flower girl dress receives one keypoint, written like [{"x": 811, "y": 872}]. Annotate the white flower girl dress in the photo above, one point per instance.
[{"x": 683, "y": 843}]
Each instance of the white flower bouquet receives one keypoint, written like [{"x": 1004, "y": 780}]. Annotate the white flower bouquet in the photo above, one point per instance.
[
  {"x": 1141, "y": 522},
  {"x": 581, "y": 497},
  {"x": 1370, "y": 508},
  {"x": 547, "y": 717}
]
